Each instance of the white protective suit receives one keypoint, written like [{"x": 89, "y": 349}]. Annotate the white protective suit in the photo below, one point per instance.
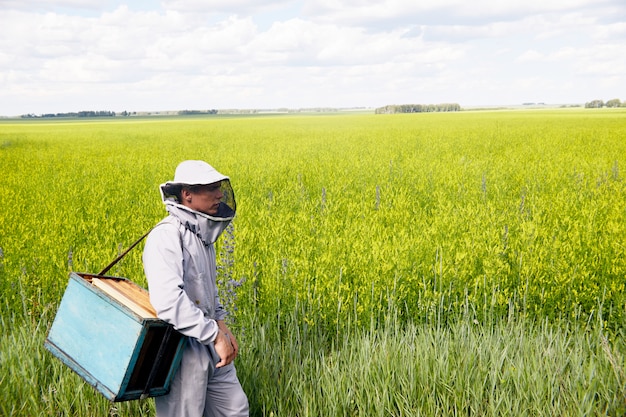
[{"x": 179, "y": 262}]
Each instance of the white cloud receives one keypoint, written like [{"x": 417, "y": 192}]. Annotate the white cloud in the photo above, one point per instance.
[
  {"x": 239, "y": 7},
  {"x": 46, "y": 4},
  {"x": 70, "y": 55},
  {"x": 440, "y": 12},
  {"x": 530, "y": 55},
  {"x": 615, "y": 32}
]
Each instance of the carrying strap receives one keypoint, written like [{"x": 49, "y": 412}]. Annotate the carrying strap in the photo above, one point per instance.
[{"x": 121, "y": 255}]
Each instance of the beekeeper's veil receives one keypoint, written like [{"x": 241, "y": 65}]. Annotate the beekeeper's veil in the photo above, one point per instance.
[{"x": 200, "y": 173}]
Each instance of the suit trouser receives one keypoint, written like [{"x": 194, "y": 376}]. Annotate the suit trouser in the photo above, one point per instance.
[{"x": 200, "y": 390}]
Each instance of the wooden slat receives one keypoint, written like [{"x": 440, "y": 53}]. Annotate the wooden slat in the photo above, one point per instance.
[
  {"x": 128, "y": 294},
  {"x": 139, "y": 295}
]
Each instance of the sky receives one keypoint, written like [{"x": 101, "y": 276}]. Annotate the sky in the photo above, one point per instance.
[{"x": 122, "y": 55}]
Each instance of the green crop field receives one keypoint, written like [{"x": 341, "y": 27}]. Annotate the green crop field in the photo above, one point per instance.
[{"x": 426, "y": 264}]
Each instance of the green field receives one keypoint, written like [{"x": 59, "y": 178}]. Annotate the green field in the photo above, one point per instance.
[{"x": 425, "y": 264}]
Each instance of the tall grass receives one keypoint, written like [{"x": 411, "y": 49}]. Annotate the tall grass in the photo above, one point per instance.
[
  {"x": 462, "y": 367},
  {"x": 525, "y": 206},
  {"x": 431, "y": 264},
  {"x": 453, "y": 365},
  {"x": 34, "y": 383},
  {"x": 465, "y": 369}
]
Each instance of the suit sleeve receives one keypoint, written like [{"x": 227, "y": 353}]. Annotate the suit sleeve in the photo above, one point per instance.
[{"x": 163, "y": 266}]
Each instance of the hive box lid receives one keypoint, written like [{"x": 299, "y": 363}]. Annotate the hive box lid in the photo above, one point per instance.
[{"x": 107, "y": 332}]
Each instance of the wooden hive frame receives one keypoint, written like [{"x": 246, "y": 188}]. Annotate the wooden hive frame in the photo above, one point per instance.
[{"x": 107, "y": 331}]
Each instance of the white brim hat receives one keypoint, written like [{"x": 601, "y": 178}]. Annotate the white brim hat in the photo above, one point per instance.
[{"x": 194, "y": 172}]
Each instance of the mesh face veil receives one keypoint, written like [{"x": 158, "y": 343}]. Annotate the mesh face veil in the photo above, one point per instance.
[
  {"x": 200, "y": 173},
  {"x": 228, "y": 206}
]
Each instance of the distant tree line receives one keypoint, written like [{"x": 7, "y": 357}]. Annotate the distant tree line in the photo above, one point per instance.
[
  {"x": 392, "y": 108},
  {"x": 597, "y": 104},
  {"x": 89, "y": 113},
  {"x": 418, "y": 108},
  {"x": 193, "y": 112}
]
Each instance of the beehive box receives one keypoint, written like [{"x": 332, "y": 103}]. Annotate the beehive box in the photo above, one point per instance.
[{"x": 107, "y": 332}]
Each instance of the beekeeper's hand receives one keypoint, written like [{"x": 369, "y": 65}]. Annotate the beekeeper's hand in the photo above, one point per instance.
[{"x": 224, "y": 349}]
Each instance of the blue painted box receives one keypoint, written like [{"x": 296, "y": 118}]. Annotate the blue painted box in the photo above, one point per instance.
[{"x": 107, "y": 332}]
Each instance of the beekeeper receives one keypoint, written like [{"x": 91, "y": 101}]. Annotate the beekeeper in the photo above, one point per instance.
[{"x": 179, "y": 262}]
